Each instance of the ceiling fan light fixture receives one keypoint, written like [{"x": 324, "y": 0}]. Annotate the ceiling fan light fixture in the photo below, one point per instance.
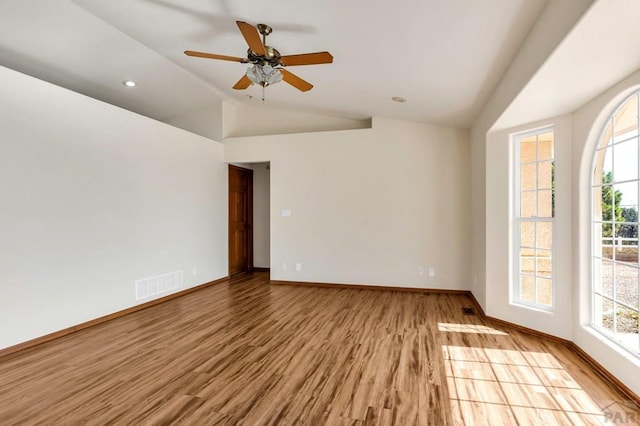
[
  {"x": 264, "y": 75},
  {"x": 266, "y": 60}
]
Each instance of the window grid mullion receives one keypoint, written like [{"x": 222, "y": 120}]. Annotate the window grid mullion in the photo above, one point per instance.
[
  {"x": 637, "y": 217},
  {"x": 535, "y": 226},
  {"x": 614, "y": 281},
  {"x": 621, "y": 141}
]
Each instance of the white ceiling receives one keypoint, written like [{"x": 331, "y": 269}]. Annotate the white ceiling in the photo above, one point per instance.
[{"x": 445, "y": 57}]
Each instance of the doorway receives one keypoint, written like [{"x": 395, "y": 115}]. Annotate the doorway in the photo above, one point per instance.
[{"x": 240, "y": 220}]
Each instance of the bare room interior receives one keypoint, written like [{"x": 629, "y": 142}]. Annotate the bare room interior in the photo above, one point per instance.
[{"x": 242, "y": 212}]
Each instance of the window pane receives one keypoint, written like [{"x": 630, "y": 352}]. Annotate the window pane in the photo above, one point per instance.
[
  {"x": 528, "y": 177},
  {"x": 597, "y": 204},
  {"x": 625, "y": 199},
  {"x": 527, "y": 233},
  {"x": 602, "y": 274},
  {"x": 626, "y": 243},
  {"x": 543, "y": 235},
  {"x": 625, "y": 160},
  {"x": 601, "y": 244},
  {"x": 627, "y": 231},
  {"x": 603, "y": 172},
  {"x": 607, "y": 240},
  {"x": 607, "y": 165},
  {"x": 543, "y": 262},
  {"x": 627, "y": 324},
  {"x": 604, "y": 285},
  {"x": 607, "y": 206},
  {"x": 606, "y": 135},
  {"x": 627, "y": 284},
  {"x": 528, "y": 288},
  {"x": 545, "y": 175},
  {"x": 630, "y": 212},
  {"x": 544, "y": 291},
  {"x": 528, "y": 148},
  {"x": 545, "y": 204},
  {"x": 603, "y": 313},
  {"x": 527, "y": 260},
  {"x": 545, "y": 146},
  {"x": 625, "y": 121},
  {"x": 528, "y": 206}
]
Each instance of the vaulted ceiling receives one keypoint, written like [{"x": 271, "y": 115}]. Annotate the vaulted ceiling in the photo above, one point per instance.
[
  {"x": 599, "y": 51},
  {"x": 444, "y": 57}
]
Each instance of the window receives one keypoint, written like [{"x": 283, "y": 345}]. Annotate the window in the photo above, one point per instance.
[
  {"x": 615, "y": 196},
  {"x": 534, "y": 211}
]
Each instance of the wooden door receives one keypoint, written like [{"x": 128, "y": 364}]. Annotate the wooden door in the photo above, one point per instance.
[{"x": 240, "y": 220}]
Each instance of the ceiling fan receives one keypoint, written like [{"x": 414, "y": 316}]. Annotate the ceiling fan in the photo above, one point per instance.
[{"x": 268, "y": 64}]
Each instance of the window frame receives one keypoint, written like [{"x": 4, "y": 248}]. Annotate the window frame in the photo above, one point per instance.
[
  {"x": 517, "y": 219},
  {"x": 593, "y": 293}
]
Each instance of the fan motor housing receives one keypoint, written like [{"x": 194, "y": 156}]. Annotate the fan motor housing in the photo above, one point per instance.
[{"x": 272, "y": 57}]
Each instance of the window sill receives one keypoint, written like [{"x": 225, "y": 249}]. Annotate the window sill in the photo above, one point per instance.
[
  {"x": 614, "y": 344},
  {"x": 544, "y": 310}
]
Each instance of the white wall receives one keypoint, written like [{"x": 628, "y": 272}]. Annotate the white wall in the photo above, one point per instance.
[
  {"x": 92, "y": 198},
  {"x": 555, "y": 21},
  {"x": 368, "y": 206},
  {"x": 588, "y": 123},
  {"x": 259, "y": 120},
  {"x": 499, "y": 228},
  {"x": 478, "y": 217},
  {"x": 205, "y": 121}
]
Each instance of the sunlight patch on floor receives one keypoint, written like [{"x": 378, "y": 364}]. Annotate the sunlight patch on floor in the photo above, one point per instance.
[
  {"x": 468, "y": 328},
  {"x": 497, "y": 386}
]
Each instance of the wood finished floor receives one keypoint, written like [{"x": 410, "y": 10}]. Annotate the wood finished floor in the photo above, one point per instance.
[{"x": 247, "y": 352}]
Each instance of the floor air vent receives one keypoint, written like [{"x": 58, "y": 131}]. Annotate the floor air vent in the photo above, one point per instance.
[
  {"x": 467, "y": 311},
  {"x": 152, "y": 286}
]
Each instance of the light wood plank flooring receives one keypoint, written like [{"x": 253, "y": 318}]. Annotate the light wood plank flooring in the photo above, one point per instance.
[{"x": 246, "y": 352}]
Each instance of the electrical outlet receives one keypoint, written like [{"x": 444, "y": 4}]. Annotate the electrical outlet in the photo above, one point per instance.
[
  {"x": 420, "y": 270},
  {"x": 432, "y": 272},
  {"x": 298, "y": 267},
  {"x": 284, "y": 266},
  {"x": 194, "y": 271}
]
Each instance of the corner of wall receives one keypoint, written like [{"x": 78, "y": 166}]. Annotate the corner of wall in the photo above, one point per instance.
[{"x": 478, "y": 254}]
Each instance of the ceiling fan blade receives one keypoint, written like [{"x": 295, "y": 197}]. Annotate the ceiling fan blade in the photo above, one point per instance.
[
  {"x": 213, "y": 56},
  {"x": 307, "y": 59},
  {"x": 243, "y": 83},
  {"x": 252, "y": 37},
  {"x": 296, "y": 81}
]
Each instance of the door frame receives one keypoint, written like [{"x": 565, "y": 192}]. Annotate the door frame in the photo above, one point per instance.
[{"x": 249, "y": 215}]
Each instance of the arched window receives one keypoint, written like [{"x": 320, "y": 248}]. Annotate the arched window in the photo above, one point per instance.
[{"x": 615, "y": 191}]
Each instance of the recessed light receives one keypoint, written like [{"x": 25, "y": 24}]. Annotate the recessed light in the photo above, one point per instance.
[
  {"x": 398, "y": 99},
  {"x": 129, "y": 83}
]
